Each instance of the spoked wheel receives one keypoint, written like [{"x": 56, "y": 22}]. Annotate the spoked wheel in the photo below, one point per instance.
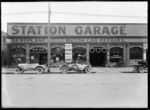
[
  {"x": 87, "y": 70},
  {"x": 39, "y": 70},
  {"x": 141, "y": 69},
  {"x": 17, "y": 70},
  {"x": 135, "y": 69},
  {"x": 64, "y": 70}
]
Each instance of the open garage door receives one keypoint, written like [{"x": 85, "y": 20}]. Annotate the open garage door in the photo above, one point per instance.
[{"x": 98, "y": 56}]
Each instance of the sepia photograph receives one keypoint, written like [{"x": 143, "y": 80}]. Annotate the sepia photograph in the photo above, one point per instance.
[{"x": 87, "y": 54}]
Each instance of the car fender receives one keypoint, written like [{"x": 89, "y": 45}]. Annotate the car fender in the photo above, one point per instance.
[
  {"x": 82, "y": 67},
  {"x": 63, "y": 66},
  {"x": 19, "y": 67},
  {"x": 40, "y": 67}
]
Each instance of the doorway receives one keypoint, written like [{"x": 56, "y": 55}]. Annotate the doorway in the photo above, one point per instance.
[
  {"x": 38, "y": 55},
  {"x": 98, "y": 57},
  {"x": 43, "y": 58}
]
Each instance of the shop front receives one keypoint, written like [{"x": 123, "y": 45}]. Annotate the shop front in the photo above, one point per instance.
[{"x": 99, "y": 44}]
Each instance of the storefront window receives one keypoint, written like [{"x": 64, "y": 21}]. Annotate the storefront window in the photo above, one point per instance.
[
  {"x": 38, "y": 55},
  {"x": 18, "y": 55},
  {"x": 136, "y": 53},
  {"x": 116, "y": 55},
  {"x": 79, "y": 55},
  {"x": 57, "y": 56}
]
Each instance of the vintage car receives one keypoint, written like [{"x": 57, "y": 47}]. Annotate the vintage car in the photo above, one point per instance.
[
  {"x": 80, "y": 67},
  {"x": 28, "y": 67},
  {"x": 141, "y": 67}
]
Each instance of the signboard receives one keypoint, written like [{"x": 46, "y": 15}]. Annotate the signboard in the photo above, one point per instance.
[
  {"x": 64, "y": 40},
  {"x": 75, "y": 40},
  {"x": 68, "y": 47},
  {"x": 78, "y": 29},
  {"x": 145, "y": 45},
  {"x": 68, "y": 52}
]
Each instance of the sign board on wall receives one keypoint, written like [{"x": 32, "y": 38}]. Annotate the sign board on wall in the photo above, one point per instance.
[
  {"x": 75, "y": 40},
  {"x": 145, "y": 45},
  {"x": 68, "y": 52},
  {"x": 80, "y": 29}
]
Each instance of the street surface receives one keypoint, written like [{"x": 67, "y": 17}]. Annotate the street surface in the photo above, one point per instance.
[{"x": 105, "y": 87}]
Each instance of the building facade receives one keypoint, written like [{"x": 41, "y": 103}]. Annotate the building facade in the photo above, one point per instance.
[
  {"x": 4, "y": 49},
  {"x": 97, "y": 43}
]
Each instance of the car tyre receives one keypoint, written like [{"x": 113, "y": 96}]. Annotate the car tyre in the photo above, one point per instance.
[
  {"x": 141, "y": 69},
  {"x": 87, "y": 70},
  {"x": 17, "y": 70},
  {"x": 135, "y": 70},
  {"x": 39, "y": 70},
  {"x": 64, "y": 70}
]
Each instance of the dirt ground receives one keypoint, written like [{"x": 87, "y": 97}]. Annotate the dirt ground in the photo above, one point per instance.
[{"x": 96, "y": 90}]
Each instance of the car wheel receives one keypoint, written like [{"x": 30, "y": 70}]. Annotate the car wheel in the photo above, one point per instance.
[
  {"x": 22, "y": 71},
  {"x": 87, "y": 70},
  {"x": 141, "y": 69},
  {"x": 39, "y": 70},
  {"x": 17, "y": 71},
  {"x": 135, "y": 69},
  {"x": 64, "y": 70}
]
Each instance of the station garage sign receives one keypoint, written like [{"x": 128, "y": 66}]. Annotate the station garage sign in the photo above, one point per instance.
[{"x": 41, "y": 29}]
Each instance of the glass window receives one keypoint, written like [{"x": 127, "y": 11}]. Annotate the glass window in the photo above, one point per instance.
[
  {"x": 57, "y": 56},
  {"x": 79, "y": 55},
  {"x": 136, "y": 53},
  {"x": 116, "y": 54}
]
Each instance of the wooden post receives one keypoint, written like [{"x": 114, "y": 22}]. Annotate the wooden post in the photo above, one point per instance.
[
  {"x": 49, "y": 48},
  {"x": 27, "y": 53},
  {"x": 128, "y": 54},
  {"x": 124, "y": 54},
  {"x": 108, "y": 55},
  {"x": 87, "y": 52}
]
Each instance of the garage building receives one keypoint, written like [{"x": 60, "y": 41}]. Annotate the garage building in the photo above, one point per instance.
[{"x": 100, "y": 44}]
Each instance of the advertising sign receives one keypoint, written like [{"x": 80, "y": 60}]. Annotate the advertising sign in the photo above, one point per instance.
[
  {"x": 68, "y": 46},
  {"x": 68, "y": 52},
  {"x": 144, "y": 45}
]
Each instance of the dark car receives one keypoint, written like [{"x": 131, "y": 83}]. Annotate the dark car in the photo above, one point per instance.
[{"x": 141, "y": 67}]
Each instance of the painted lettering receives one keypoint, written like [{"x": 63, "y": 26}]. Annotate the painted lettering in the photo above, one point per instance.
[
  {"x": 67, "y": 40},
  {"x": 122, "y": 30},
  {"x": 23, "y": 29},
  {"x": 62, "y": 30},
  {"x": 88, "y": 30},
  {"x": 96, "y": 30},
  {"x": 31, "y": 30},
  {"x": 78, "y": 30},
  {"x": 53, "y": 30},
  {"x": 46, "y": 30},
  {"x": 114, "y": 30},
  {"x": 89, "y": 40},
  {"x": 15, "y": 30},
  {"x": 105, "y": 30},
  {"x": 39, "y": 29},
  {"x": 29, "y": 40}
]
